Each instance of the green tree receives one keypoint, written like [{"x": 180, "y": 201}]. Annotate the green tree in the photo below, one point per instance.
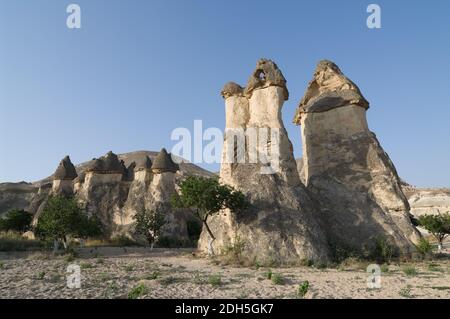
[
  {"x": 63, "y": 217},
  {"x": 437, "y": 225},
  {"x": 206, "y": 197},
  {"x": 149, "y": 224},
  {"x": 16, "y": 220}
]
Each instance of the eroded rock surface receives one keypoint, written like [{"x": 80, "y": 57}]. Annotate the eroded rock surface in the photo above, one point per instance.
[
  {"x": 281, "y": 224},
  {"x": 345, "y": 168}
]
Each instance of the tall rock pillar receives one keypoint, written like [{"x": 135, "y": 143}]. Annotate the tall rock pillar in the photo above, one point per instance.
[
  {"x": 346, "y": 169},
  {"x": 281, "y": 224}
]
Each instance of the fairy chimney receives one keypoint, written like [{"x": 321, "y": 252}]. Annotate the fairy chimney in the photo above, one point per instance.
[
  {"x": 64, "y": 176},
  {"x": 345, "y": 167},
  {"x": 280, "y": 225}
]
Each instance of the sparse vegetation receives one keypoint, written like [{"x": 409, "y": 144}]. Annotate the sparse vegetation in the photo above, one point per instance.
[
  {"x": 435, "y": 268},
  {"x": 384, "y": 268},
  {"x": 154, "y": 275},
  {"x": 405, "y": 292},
  {"x": 410, "y": 271},
  {"x": 383, "y": 251},
  {"x": 138, "y": 291},
  {"x": 424, "y": 247},
  {"x": 40, "y": 275},
  {"x": 277, "y": 279},
  {"x": 303, "y": 289},
  {"x": 268, "y": 274},
  {"x": 215, "y": 280},
  {"x": 233, "y": 253}
]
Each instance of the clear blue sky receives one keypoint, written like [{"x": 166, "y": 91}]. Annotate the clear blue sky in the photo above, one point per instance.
[{"x": 138, "y": 69}]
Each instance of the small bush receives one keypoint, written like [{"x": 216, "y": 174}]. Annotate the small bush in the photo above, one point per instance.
[
  {"x": 277, "y": 279},
  {"x": 384, "y": 268},
  {"x": 128, "y": 268},
  {"x": 138, "y": 291},
  {"x": 410, "y": 271},
  {"x": 405, "y": 292},
  {"x": 154, "y": 275},
  {"x": 215, "y": 280},
  {"x": 303, "y": 289},
  {"x": 40, "y": 275},
  {"x": 100, "y": 261},
  {"x": 424, "y": 247},
  {"x": 233, "y": 252},
  {"x": 268, "y": 274},
  {"x": 383, "y": 251},
  {"x": 435, "y": 268},
  {"x": 86, "y": 266}
]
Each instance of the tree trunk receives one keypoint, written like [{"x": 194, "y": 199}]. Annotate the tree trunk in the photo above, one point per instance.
[
  {"x": 55, "y": 246},
  {"x": 210, "y": 243}
]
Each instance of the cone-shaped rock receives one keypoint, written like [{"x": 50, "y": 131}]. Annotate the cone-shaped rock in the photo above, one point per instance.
[
  {"x": 346, "y": 169},
  {"x": 164, "y": 163},
  {"x": 281, "y": 224},
  {"x": 65, "y": 170}
]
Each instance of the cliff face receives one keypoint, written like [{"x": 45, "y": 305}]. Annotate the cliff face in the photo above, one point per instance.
[
  {"x": 281, "y": 224},
  {"x": 345, "y": 168},
  {"x": 16, "y": 196}
]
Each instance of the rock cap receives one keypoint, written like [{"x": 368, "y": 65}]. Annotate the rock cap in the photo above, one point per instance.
[
  {"x": 164, "y": 163},
  {"x": 266, "y": 74},
  {"x": 329, "y": 89},
  {"x": 65, "y": 170}
]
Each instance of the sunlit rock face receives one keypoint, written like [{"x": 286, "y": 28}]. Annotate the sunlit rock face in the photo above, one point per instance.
[
  {"x": 345, "y": 168},
  {"x": 281, "y": 225}
]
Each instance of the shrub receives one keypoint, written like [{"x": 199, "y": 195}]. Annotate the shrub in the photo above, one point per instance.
[
  {"x": 405, "y": 292},
  {"x": 424, "y": 247},
  {"x": 303, "y": 289},
  {"x": 215, "y": 280},
  {"x": 154, "y": 275},
  {"x": 410, "y": 270},
  {"x": 233, "y": 252},
  {"x": 277, "y": 279},
  {"x": 137, "y": 291},
  {"x": 383, "y": 251},
  {"x": 16, "y": 220},
  {"x": 268, "y": 274}
]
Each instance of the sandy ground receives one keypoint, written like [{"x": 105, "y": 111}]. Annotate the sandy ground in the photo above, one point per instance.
[{"x": 114, "y": 272}]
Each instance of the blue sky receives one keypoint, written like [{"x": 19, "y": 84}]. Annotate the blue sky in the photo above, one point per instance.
[{"x": 138, "y": 69}]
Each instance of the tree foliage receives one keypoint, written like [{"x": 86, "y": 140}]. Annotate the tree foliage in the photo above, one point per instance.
[
  {"x": 149, "y": 224},
  {"x": 206, "y": 197},
  {"x": 63, "y": 217},
  {"x": 16, "y": 220},
  {"x": 437, "y": 225}
]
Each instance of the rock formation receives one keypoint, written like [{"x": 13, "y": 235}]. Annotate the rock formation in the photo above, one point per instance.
[
  {"x": 64, "y": 176},
  {"x": 281, "y": 224},
  {"x": 427, "y": 200},
  {"x": 346, "y": 169},
  {"x": 112, "y": 187}
]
